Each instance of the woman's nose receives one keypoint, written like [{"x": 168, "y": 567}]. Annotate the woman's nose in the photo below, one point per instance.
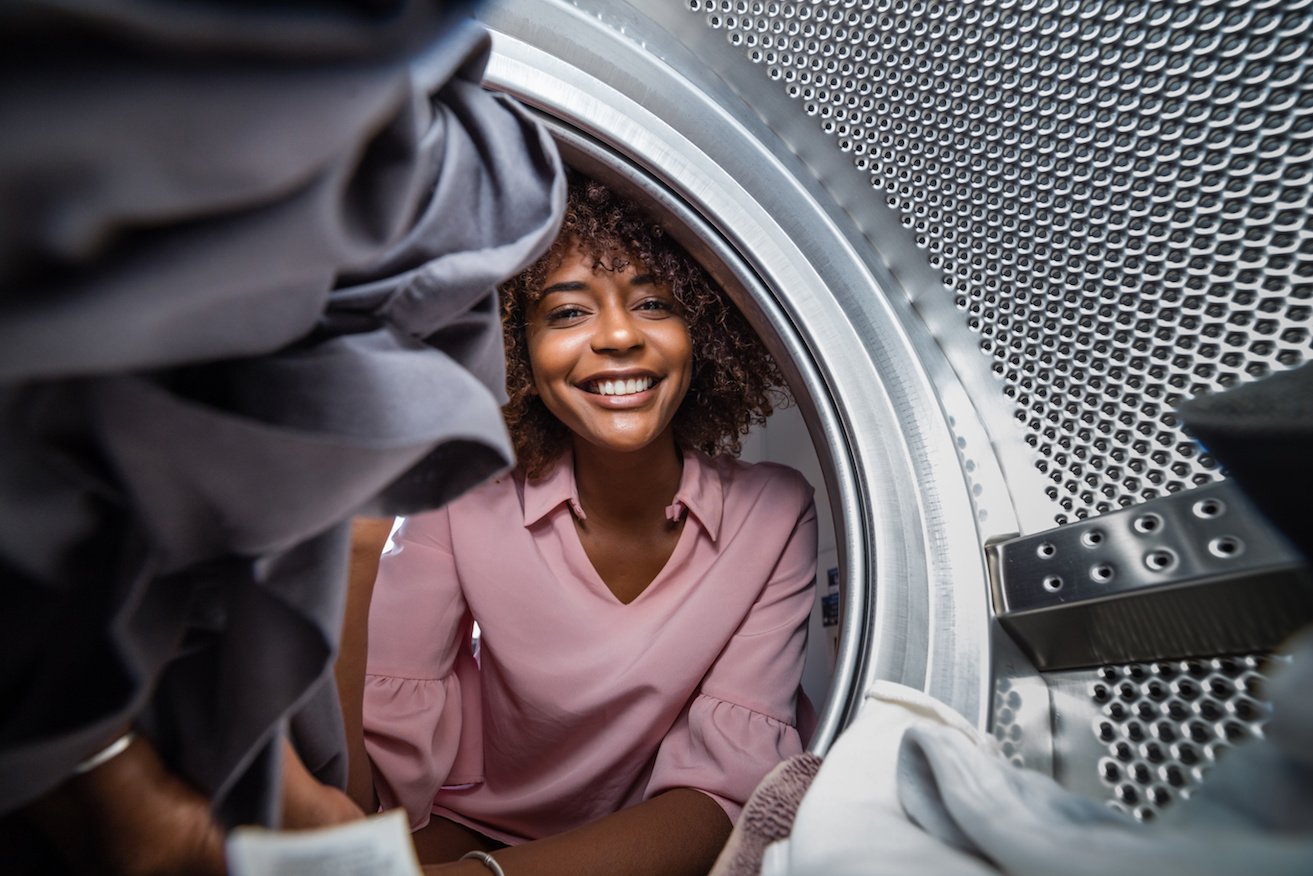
[{"x": 616, "y": 330}]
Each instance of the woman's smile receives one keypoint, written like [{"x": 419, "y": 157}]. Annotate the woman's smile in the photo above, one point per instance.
[
  {"x": 621, "y": 392},
  {"x": 619, "y": 386}
]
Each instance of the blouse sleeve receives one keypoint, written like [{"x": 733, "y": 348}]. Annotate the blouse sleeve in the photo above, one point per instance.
[
  {"x": 421, "y": 709},
  {"x": 742, "y": 721}
]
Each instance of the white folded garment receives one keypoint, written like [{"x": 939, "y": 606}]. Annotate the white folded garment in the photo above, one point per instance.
[
  {"x": 850, "y": 820},
  {"x": 911, "y": 787}
]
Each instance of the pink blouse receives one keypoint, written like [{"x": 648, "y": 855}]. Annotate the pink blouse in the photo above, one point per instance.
[{"x": 578, "y": 705}]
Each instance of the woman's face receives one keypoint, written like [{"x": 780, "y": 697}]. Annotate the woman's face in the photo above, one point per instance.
[{"x": 610, "y": 353}]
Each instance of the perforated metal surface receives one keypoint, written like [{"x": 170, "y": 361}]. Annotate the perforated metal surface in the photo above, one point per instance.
[
  {"x": 1007, "y": 730},
  {"x": 1165, "y": 724},
  {"x": 1197, "y": 572},
  {"x": 1117, "y": 194}
]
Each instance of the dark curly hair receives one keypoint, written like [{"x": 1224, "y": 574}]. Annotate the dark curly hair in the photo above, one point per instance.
[{"x": 735, "y": 382}]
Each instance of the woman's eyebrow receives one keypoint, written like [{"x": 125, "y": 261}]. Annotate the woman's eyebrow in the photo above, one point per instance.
[
  {"x": 566, "y": 286},
  {"x": 643, "y": 280}
]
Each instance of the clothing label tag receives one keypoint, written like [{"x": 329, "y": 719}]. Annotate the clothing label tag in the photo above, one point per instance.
[{"x": 376, "y": 846}]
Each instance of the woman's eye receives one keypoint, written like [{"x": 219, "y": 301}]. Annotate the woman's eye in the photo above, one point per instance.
[
  {"x": 565, "y": 314},
  {"x": 656, "y": 304}
]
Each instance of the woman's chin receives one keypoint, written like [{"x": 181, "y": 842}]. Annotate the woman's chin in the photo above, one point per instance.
[{"x": 625, "y": 443}]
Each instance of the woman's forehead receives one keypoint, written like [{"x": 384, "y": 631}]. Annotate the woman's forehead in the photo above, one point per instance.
[
  {"x": 575, "y": 260},
  {"x": 599, "y": 255}
]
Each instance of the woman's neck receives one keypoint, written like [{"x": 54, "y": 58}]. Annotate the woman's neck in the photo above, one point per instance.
[{"x": 629, "y": 487}]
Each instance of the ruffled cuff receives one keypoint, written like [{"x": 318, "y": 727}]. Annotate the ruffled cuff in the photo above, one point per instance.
[
  {"x": 421, "y": 734},
  {"x": 723, "y": 750}
]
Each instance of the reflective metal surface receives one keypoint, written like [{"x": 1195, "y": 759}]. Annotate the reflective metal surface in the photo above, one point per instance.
[
  {"x": 1116, "y": 194},
  {"x": 994, "y": 244},
  {"x": 1197, "y": 572},
  {"x": 1146, "y": 734}
]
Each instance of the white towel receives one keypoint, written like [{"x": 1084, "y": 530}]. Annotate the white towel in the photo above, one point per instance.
[{"x": 850, "y": 821}]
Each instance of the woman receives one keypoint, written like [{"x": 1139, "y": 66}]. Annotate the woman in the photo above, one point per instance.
[{"x": 642, "y": 597}]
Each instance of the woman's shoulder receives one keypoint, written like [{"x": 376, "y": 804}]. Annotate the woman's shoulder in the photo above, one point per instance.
[
  {"x": 493, "y": 493},
  {"x": 773, "y": 479},
  {"x": 470, "y": 518},
  {"x": 490, "y": 496}
]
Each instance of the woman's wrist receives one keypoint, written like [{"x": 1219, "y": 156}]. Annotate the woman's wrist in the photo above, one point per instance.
[
  {"x": 106, "y": 754},
  {"x": 128, "y": 814},
  {"x": 460, "y": 867},
  {"x": 487, "y": 860}
]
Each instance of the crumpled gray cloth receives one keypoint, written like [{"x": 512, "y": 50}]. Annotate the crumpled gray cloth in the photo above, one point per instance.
[
  {"x": 248, "y": 257},
  {"x": 1261, "y": 432}
]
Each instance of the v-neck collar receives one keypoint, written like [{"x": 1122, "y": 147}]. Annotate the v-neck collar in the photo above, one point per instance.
[{"x": 700, "y": 493}]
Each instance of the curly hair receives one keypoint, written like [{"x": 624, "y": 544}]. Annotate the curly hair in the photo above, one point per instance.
[{"x": 735, "y": 382}]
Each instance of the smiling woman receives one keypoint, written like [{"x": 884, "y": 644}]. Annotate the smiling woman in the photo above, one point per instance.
[{"x": 643, "y": 597}]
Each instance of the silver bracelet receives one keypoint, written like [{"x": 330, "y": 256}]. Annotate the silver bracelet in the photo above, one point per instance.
[
  {"x": 488, "y": 861},
  {"x": 106, "y": 754}
]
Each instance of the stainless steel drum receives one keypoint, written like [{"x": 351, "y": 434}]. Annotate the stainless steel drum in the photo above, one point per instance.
[{"x": 993, "y": 243}]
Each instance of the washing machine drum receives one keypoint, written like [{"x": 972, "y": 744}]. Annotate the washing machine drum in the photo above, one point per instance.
[{"x": 994, "y": 246}]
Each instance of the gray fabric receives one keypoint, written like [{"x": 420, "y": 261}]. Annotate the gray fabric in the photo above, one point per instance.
[
  {"x": 1261, "y": 433},
  {"x": 248, "y": 255},
  {"x": 1253, "y": 814}
]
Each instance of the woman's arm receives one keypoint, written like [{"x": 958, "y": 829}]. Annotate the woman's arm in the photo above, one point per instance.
[
  {"x": 743, "y": 719},
  {"x": 368, "y": 536},
  {"x": 131, "y": 817},
  {"x": 412, "y": 718},
  {"x": 308, "y": 802},
  {"x": 677, "y": 833}
]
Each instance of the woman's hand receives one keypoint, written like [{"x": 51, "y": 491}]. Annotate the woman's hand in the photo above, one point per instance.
[
  {"x": 677, "y": 833},
  {"x": 131, "y": 817},
  {"x": 308, "y": 802}
]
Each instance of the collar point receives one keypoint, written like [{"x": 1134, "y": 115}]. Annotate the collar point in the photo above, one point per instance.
[{"x": 577, "y": 509}]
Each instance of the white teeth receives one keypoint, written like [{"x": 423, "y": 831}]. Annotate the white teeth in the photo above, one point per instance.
[{"x": 624, "y": 387}]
